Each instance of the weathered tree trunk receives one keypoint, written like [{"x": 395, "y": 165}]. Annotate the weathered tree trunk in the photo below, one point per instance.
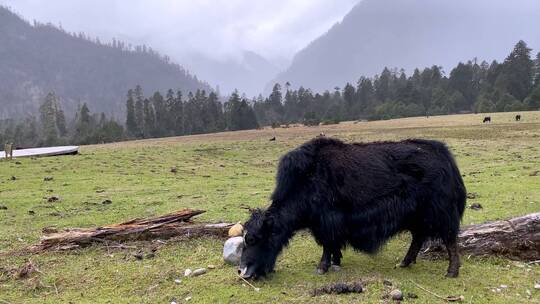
[
  {"x": 516, "y": 238},
  {"x": 162, "y": 227}
]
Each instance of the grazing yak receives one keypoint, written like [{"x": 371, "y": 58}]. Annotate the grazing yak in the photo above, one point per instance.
[
  {"x": 487, "y": 119},
  {"x": 518, "y": 117},
  {"x": 358, "y": 195}
]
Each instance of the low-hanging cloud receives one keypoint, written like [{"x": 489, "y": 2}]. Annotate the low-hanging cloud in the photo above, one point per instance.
[{"x": 275, "y": 29}]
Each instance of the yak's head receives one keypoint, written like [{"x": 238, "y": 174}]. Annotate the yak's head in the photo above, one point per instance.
[{"x": 258, "y": 257}]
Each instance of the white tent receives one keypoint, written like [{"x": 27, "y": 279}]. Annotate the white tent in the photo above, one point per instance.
[{"x": 49, "y": 151}]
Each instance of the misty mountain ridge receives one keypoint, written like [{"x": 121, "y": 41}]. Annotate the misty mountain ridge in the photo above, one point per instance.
[
  {"x": 412, "y": 34},
  {"x": 41, "y": 58},
  {"x": 248, "y": 73}
]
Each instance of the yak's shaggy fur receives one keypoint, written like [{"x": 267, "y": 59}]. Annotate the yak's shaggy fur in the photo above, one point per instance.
[{"x": 359, "y": 195}]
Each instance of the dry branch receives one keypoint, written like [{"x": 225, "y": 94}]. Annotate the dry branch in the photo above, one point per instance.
[
  {"x": 517, "y": 238},
  {"x": 162, "y": 227}
]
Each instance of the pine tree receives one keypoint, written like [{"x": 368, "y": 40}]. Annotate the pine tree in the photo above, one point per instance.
[
  {"x": 160, "y": 110},
  {"x": 83, "y": 126},
  {"x": 48, "y": 120},
  {"x": 139, "y": 111},
  {"x": 60, "y": 120},
  {"x": 178, "y": 110},
  {"x": 382, "y": 85},
  {"x": 169, "y": 112},
  {"x": 349, "y": 96},
  {"x": 149, "y": 120},
  {"x": 537, "y": 70},
  {"x": 131, "y": 123},
  {"x": 518, "y": 71}
]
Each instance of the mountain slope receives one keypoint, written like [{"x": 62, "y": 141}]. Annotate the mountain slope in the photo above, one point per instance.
[
  {"x": 413, "y": 33},
  {"x": 35, "y": 60}
]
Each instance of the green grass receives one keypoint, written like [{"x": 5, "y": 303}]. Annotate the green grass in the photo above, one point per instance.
[{"x": 222, "y": 173}]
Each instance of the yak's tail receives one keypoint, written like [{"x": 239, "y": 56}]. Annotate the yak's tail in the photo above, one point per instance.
[{"x": 295, "y": 166}]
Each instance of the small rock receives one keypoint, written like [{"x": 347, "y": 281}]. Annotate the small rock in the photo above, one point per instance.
[
  {"x": 411, "y": 295},
  {"x": 236, "y": 230},
  {"x": 476, "y": 206},
  {"x": 48, "y": 178},
  {"x": 537, "y": 286},
  {"x": 187, "y": 272},
  {"x": 232, "y": 250},
  {"x": 503, "y": 286},
  {"x": 178, "y": 281},
  {"x": 106, "y": 202},
  {"x": 211, "y": 266},
  {"x": 198, "y": 272},
  {"x": 187, "y": 299},
  {"x": 472, "y": 195},
  {"x": 53, "y": 199},
  {"x": 535, "y": 173},
  {"x": 139, "y": 255},
  {"x": 396, "y": 295},
  {"x": 2, "y": 207}
]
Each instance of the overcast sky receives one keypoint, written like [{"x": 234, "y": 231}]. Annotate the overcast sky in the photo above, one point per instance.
[{"x": 275, "y": 29}]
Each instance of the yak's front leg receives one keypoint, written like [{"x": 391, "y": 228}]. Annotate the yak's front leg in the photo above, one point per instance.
[
  {"x": 325, "y": 262},
  {"x": 336, "y": 260}
]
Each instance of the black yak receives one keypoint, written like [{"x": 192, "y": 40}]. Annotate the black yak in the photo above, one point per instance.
[
  {"x": 518, "y": 117},
  {"x": 358, "y": 195},
  {"x": 487, "y": 119}
]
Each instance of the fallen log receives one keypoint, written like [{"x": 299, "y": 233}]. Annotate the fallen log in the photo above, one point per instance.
[
  {"x": 162, "y": 227},
  {"x": 517, "y": 238}
]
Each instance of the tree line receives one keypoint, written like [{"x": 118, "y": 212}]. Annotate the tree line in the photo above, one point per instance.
[
  {"x": 175, "y": 114},
  {"x": 511, "y": 85}
]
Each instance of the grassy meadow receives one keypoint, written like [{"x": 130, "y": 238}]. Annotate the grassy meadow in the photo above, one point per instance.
[{"x": 226, "y": 172}]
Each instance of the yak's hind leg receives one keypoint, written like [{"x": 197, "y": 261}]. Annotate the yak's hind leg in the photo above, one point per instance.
[
  {"x": 325, "y": 262},
  {"x": 414, "y": 249},
  {"x": 336, "y": 260},
  {"x": 453, "y": 256},
  {"x": 331, "y": 258}
]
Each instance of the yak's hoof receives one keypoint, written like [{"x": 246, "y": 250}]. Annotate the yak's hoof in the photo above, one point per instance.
[
  {"x": 405, "y": 264},
  {"x": 321, "y": 270},
  {"x": 335, "y": 268},
  {"x": 452, "y": 274}
]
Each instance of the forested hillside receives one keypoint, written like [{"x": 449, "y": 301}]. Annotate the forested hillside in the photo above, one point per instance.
[
  {"x": 412, "y": 34},
  {"x": 512, "y": 85},
  {"x": 37, "y": 58}
]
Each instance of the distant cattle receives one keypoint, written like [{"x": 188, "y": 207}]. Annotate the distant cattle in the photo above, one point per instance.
[
  {"x": 487, "y": 119},
  {"x": 273, "y": 139},
  {"x": 359, "y": 195},
  {"x": 518, "y": 117}
]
